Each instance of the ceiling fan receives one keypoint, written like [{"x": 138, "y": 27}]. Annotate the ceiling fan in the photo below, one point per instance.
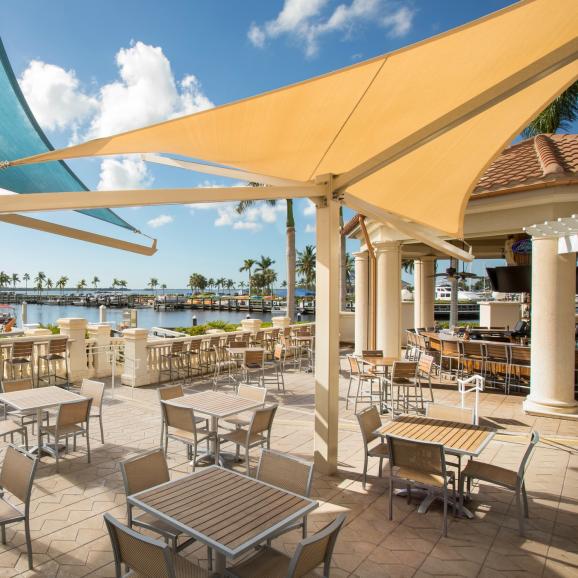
[{"x": 453, "y": 273}]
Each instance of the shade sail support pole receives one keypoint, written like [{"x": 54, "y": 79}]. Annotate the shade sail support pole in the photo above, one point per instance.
[
  {"x": 327, "y": 337},
  {"x": 220, "y": 171}
]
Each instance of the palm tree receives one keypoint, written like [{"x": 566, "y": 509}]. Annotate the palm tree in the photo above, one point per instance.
[
  {"x": 49, "y": 284},
  {"x": 242, "y": 285},
  {"x": 349, "y": 271},
  {"x": 39, "y": 280},
  {"x": 264, "y": 264},
  {"x": 342, "y": 264},
  {"x": 290, "y": 248},
  {"x": 559, "y": 114},
  {"x": 81, "y": 284},
  {"x": 306, "y": 263},
  {"x": 95, "y": 282},
  {"x": 164, "y": 287},
  {"x": 210, "y": 283},
  {"x": 407, "y": 265},
  {"x": 61, "y": 283},
  {"x": 26, "y": 278},
  {"x": 153, "y": 283},
  {"x": 248, "y": 266},
  {"x": 230, "y": 284},
  {"x": 197, "y": 281},
  {"x": 15, "y": 279},
  {"x": 115, "y": 283},
  {"x": 122, "y": 283}
]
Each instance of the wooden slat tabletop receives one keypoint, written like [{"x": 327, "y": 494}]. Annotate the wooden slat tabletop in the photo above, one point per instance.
[
  {"x": 379, "y": 361},
  {"x": 224, "y": 509},
  {"x": 215, "y": 403},
  {"x": 456, "y": 437},
  {"x": 39, "y": 397},
  {"x": 241, "y": 350}
]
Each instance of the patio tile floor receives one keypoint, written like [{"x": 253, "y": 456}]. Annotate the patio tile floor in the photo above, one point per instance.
[{"x": 69, "y": 538}]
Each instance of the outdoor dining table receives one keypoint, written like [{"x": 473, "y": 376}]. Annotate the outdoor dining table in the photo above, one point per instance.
[
  {"x": 39, "y": 399},
  {"x": 237, "y": 354},
  {"x": 228, "y": 511},
  {"x": 458, "y": 439},
  {"x": 380, "y": 366},
  {"x": 216, "y": 405}
]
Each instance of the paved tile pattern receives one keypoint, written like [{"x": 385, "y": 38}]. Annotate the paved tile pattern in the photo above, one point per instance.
[{"x": 69, "y": 538}]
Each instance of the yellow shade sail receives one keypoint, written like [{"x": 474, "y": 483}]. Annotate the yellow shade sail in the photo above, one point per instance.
[{"x": 408, "y": 133}]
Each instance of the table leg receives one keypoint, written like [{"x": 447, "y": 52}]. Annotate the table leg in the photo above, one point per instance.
[{"x": 220, "y": 564}]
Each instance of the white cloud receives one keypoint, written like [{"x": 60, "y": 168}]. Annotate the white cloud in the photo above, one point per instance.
[
  {"x": 127, "y": 173},
  {"x": 309, "y": 210},
  {"x": 160, "y": 221},
  {"x": 55, "y": 97},
  {"x": 307, "y": 21},
  {"x": 309, "y": 228},
  {"x": 253, "y": 219}
]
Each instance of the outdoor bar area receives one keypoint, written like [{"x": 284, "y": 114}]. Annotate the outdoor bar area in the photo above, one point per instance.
[{"x": 364, "y": 444}]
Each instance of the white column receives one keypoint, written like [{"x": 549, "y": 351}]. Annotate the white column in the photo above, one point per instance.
[
  {"x": 101, "y": 333},
  {"x": 424, "y": 291},
  {"x": 135, "y": 372},
  {"x": 327, "y": 338},
  {"x": 389, "y": 297},
  {"x": 553, "y": 321},
  {"x": 361, "y": 300},
  {"x": 75, "y": 328}
]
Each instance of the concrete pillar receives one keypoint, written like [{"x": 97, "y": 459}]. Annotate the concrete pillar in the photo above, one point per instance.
[
  {"x": 389, "y": 297},
  {"x": 102, "y": 365},
  {"x": 553, "y": 320},
  {"x": 24, "y": 313},
  {"x": 75, "y": 329},
  {"x": 361, "y": 300},
  {"x": 102, "y": 314},
  {"x": 327, "y": 338},
  {"x": 424, "y": 291},
  {"x": 281, "y": 322},
  {"x": 135, "y": 372}
]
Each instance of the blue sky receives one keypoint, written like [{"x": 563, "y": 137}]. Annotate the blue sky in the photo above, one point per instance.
[{"x": 90, "y": 69}]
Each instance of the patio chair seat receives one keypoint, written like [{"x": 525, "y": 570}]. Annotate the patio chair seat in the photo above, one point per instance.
[
  {"x": 17, "y": 360},
  {"x": 8, "y": 427},
  {"x": 63, "y": 430},
  {"x": 240, "y": 437},
  {"x": 379, "y": 451},
  {"x": 9, "y": 512},
  {"x": 490, "y": 473},
  {"x": 188, "y": 436},
  {"x": 422, "y": 477},
  {"x": 266, "y": 562},
  {"x": 183, "y": 569},
  {"x": 52, "y": 357},
  {"x": 151, "y": 521},
  {"x": 240, "y": 419}
]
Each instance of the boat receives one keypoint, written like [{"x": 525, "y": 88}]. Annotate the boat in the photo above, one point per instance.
[{"x": 7, "y": 319}]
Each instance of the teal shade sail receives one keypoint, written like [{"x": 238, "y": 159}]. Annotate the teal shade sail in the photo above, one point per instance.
[{"x": 21, "y": 136}]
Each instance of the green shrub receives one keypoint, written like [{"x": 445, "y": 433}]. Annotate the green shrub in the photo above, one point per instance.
[{"x": 54, "y": 329}]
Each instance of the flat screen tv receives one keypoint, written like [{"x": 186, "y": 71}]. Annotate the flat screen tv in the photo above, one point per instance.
[{"x": 515, "y": 279}]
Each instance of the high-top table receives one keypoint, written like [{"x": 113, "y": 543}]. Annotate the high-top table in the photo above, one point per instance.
[
  {"x": 216, "y": 405},
  {"x": 228, "y": 511},
  {"x": 39, "y": 399},
  {"x": 380, "y": 365}
]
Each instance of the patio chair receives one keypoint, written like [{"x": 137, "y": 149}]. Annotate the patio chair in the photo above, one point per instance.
[
  {"x": 252, "y": 392},
  {"x": 181, "y": 426},
  {"x": 450, "y": 358},
  {"x": 422, "y": 464},
  {"x": 473, "y": 357},
  {"x": 425, "y": 368},
  {"x": 405, "y": 389},
  {"x": 520, "y": 362},
  {"x": 510, "y": 479},
  {"x": 360, "y": 371},
  {"x": 17, "y": 478},
  {"x": 278, "y": 366},
  {"x": 173, "y": 362},
  {"x": 94, "y": 390},
  {"x": 192, "y": 355},
  {"x": 369, "y": 421},
  {"x": 257, "y": 339},
  {"x": 72, "y": 419},
  {"x": 253, "y": 364},
  {"x": 140, "y": 473},
  {"x": 57, "y": 352},
  {"x": 24, "y": 417},
  {"x": 289, "y": 473},
  {"x": 412, "y": 350},
  {"x": 310, "y": 553},
  {"x": 20, "y": 356},
  {"x": 145, "y": 556},
  {"x": 257, "y": 434},
  {"x": 497, "y": 357}
]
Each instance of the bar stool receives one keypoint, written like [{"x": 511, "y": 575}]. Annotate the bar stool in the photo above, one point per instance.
[
  {"x": 57, "y": 352},
  {"x": 20, "y": 356},
  {"x": 174, "y": 361},
  {"x": 193, "y": 357}
]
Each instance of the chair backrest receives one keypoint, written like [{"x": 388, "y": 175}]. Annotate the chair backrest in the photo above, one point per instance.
[
  {"x": 22, "y": 348},
  {"x": 17, "y": 474},
  {"x": 179, "y": 417},
  {"x": 520, "y": 355},
  {"x": 9, "y": 385},
  {"x": 425, "y": 364},
  {"x": 278, "y": 351},
  {"x": 497, "y": 351},
  {"x": 260, "y": 335},
  {"x": 534, "y": 439},
  {"x": 417, "y": 456},
  {"x": 252, "y": 392},
  {"x": 73, "y": 413},
  {"x": 171, "y": 392},
  {"x": 403, "y": 370},
  {"x": 144, "y": 471},
  {"x": 450, "y": 347},
  {"x": 372, "y": 353},
  {"x": 451, "y": 413},
  {"x": 177, "y": 346},
  {"x": 214, "y": 341},
  {"x": 143, "y": 555},
  {"x": 195, "y": 345},
  {"x": 353, "y": 365},
  {"x": 369, "y": 421},
  {"x": 244, "y": 339},
  {"x": 93, "y": 389},
  {"x": 316, "y": 549},
  {"x": 262, "y": 419},
  {"x": 285, "y": 471},
  {"x": 254, "y": 357},
  {"x": 472, "y": 348},
  {"x": 58, "y": 345}
]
